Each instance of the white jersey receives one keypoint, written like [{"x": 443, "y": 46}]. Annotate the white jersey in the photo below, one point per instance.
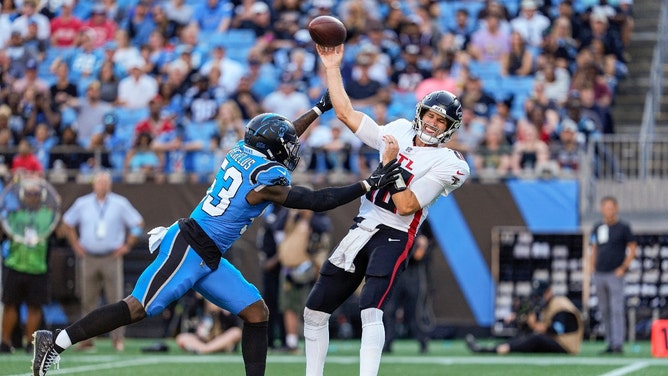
[{"x": 428, "y": 172}]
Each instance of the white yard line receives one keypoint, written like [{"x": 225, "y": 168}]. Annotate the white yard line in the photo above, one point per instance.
[
  {"x": 628, "y": 369},
  {"x": 107, "y": 362}
]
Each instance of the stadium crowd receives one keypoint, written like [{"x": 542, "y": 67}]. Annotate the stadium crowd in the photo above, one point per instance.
[{"x": 161, "y": 89}]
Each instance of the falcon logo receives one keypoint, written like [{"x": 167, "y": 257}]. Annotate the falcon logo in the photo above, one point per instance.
[{"x": 459, "y": 155}]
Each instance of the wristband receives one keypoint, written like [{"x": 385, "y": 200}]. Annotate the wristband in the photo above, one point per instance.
[
  {"x": 317, "y": 110},
  {"x": 367, "y": 186}
]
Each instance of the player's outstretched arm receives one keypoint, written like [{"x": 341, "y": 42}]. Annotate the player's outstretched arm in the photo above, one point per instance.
[
  {"x": 299, "y": 197},
  {"x": 303, "y": 122}
]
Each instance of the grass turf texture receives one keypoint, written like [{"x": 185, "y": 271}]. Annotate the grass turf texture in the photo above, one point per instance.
[{"x": 445, "y": 357}]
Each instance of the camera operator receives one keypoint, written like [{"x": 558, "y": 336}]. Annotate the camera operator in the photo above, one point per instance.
[{"x": 555, "y": 326}]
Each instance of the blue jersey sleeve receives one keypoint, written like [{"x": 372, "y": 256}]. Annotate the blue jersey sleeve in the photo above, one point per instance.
[{"x": 271, "y": 173}]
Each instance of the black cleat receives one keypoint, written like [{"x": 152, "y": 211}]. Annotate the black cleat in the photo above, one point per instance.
[{"x": 44, "y": 354}]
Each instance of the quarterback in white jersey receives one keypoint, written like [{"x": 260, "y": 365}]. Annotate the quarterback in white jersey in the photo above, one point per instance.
[
  {"x": 427, "y": 171},
  {"x": 377, "y": 247}
]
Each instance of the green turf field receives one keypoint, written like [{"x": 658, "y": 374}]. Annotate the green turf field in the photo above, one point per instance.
[{"x": 445, "y": 357}]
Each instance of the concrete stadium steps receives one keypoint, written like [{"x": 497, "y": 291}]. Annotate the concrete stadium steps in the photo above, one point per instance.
[{"x": 631, "y": 92}]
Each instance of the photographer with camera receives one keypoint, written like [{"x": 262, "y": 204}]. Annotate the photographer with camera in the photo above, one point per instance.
[{"x": 554, "y": 321}]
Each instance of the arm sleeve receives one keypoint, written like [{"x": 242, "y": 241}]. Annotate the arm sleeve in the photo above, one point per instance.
[
  {"x": 370, "y": 133},
  {"x": 322, "y": 199}
]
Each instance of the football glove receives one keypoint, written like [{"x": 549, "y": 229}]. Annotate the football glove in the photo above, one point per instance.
[
  {"x": 325, "y": 103},
  {"x": 383, "y": 175}
]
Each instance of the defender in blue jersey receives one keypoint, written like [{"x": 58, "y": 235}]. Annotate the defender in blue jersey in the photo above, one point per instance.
[{"x": 255, "y": 173}]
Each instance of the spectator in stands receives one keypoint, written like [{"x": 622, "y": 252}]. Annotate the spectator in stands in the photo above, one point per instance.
[
  {"x": 440, "y": 80},
  {"x": 167, "y": 27},
  {"x": 231, "y": 70},
  {"x": 566, "y": 150},
  {"x": 248, "y": 103},
  {"x": 565, "y": 9},
  {"x": 388, "y": 49},
  {"x": 506, "y": 119},
  {"x": 85, "y": 60},
  {"x": 30, "y": 80},
  {"x": 157, "y": 122},
  {"x": 625, "y": 15},
  {"x": 599, "y": 30},
  {"x": 25, "y": 161},
  {"x": 592, "y": 76},
  {"x": 491, "y": 159},
  {"x": 113, "y": 10},
  {"x": 201, "y": 101},
  {"x": 16, "y": 118},
  {"x": 90, "y": 111},
  {"x": 560, "y": 44},
  {"x": 18, "y": 57},
  {"x": 141, "y": 162},
  {"x": 30, "y": 13},
  {"x": 34, "y": 43},
  {"x": 286, "y": 100},
  {"x": 554, "y": 82},
  {"x": 125, "y": 52},
  {"x": 470, "y": 134},
  {"x": 42, "y": 143},
  {"x": 255, "y": 16},
  {"x": 65, "y": 27},
  {"x": 530, "y": 153},
  {"x": 363, "y": 90},
  {"x": 409, "y": 71},
  {"x": 179, "y": 11},
  {"x": 139, "y": 23},
  {"x": 491, "y": 42},
  {"x": 108, "y": 83},
  {"x": 212, "y": 15},
  {"x": 7, "y": 15},
  {"x": 38, "y": 108},
  {"x": 136, "y": 90},
  {"x": 231, "y": 125},
  {"x": 530, "y": 23},
  {"x": 63, "y": 89},
  {"x": 603, "y": 112},
  {"x": 519, "y": 60},
  {"x": 475, "y": 97},
  {"x": 112, "y": 146},
  {"x": 461, "y": 30},
  {"x": 102, "y": 27}
]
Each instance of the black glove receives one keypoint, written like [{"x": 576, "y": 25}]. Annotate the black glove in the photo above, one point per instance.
[
  {"x": 383, "y": 176},
  {"x": 324, "y": 104}
]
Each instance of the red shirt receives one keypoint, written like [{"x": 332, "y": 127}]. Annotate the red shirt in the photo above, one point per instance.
[
  {"x": 103, "y": 32},
  {"x": 64, "y": 31},
  {"x": 28, "y": 163},
  {"x": 147, "y": 126}
]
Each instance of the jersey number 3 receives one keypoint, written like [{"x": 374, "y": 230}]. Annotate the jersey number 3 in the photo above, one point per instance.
[{"x": 218, "y": 196}]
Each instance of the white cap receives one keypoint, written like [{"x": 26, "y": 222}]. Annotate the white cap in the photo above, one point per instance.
[
  {"x": 529, "y": 4},
  {"x": 260, "y": 7}
]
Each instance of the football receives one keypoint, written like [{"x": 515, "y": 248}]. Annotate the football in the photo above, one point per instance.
[{"x": 327, "y": 31}]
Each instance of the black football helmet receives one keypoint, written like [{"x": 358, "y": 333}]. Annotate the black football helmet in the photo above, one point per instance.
[
  {"x": 274, "y": 136},
  {"x": 445, "y": 104}
]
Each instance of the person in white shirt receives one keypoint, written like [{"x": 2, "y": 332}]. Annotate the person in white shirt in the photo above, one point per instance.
[
  {"x": 530, "y": 23},
  {"x": 30, "y": 14},
  {"x": 137, "y": 89}
]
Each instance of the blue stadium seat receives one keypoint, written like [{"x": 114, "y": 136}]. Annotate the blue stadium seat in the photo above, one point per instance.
[
  {"x": 519, "y": 88},
  {"x": 128, "y": 119}
]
